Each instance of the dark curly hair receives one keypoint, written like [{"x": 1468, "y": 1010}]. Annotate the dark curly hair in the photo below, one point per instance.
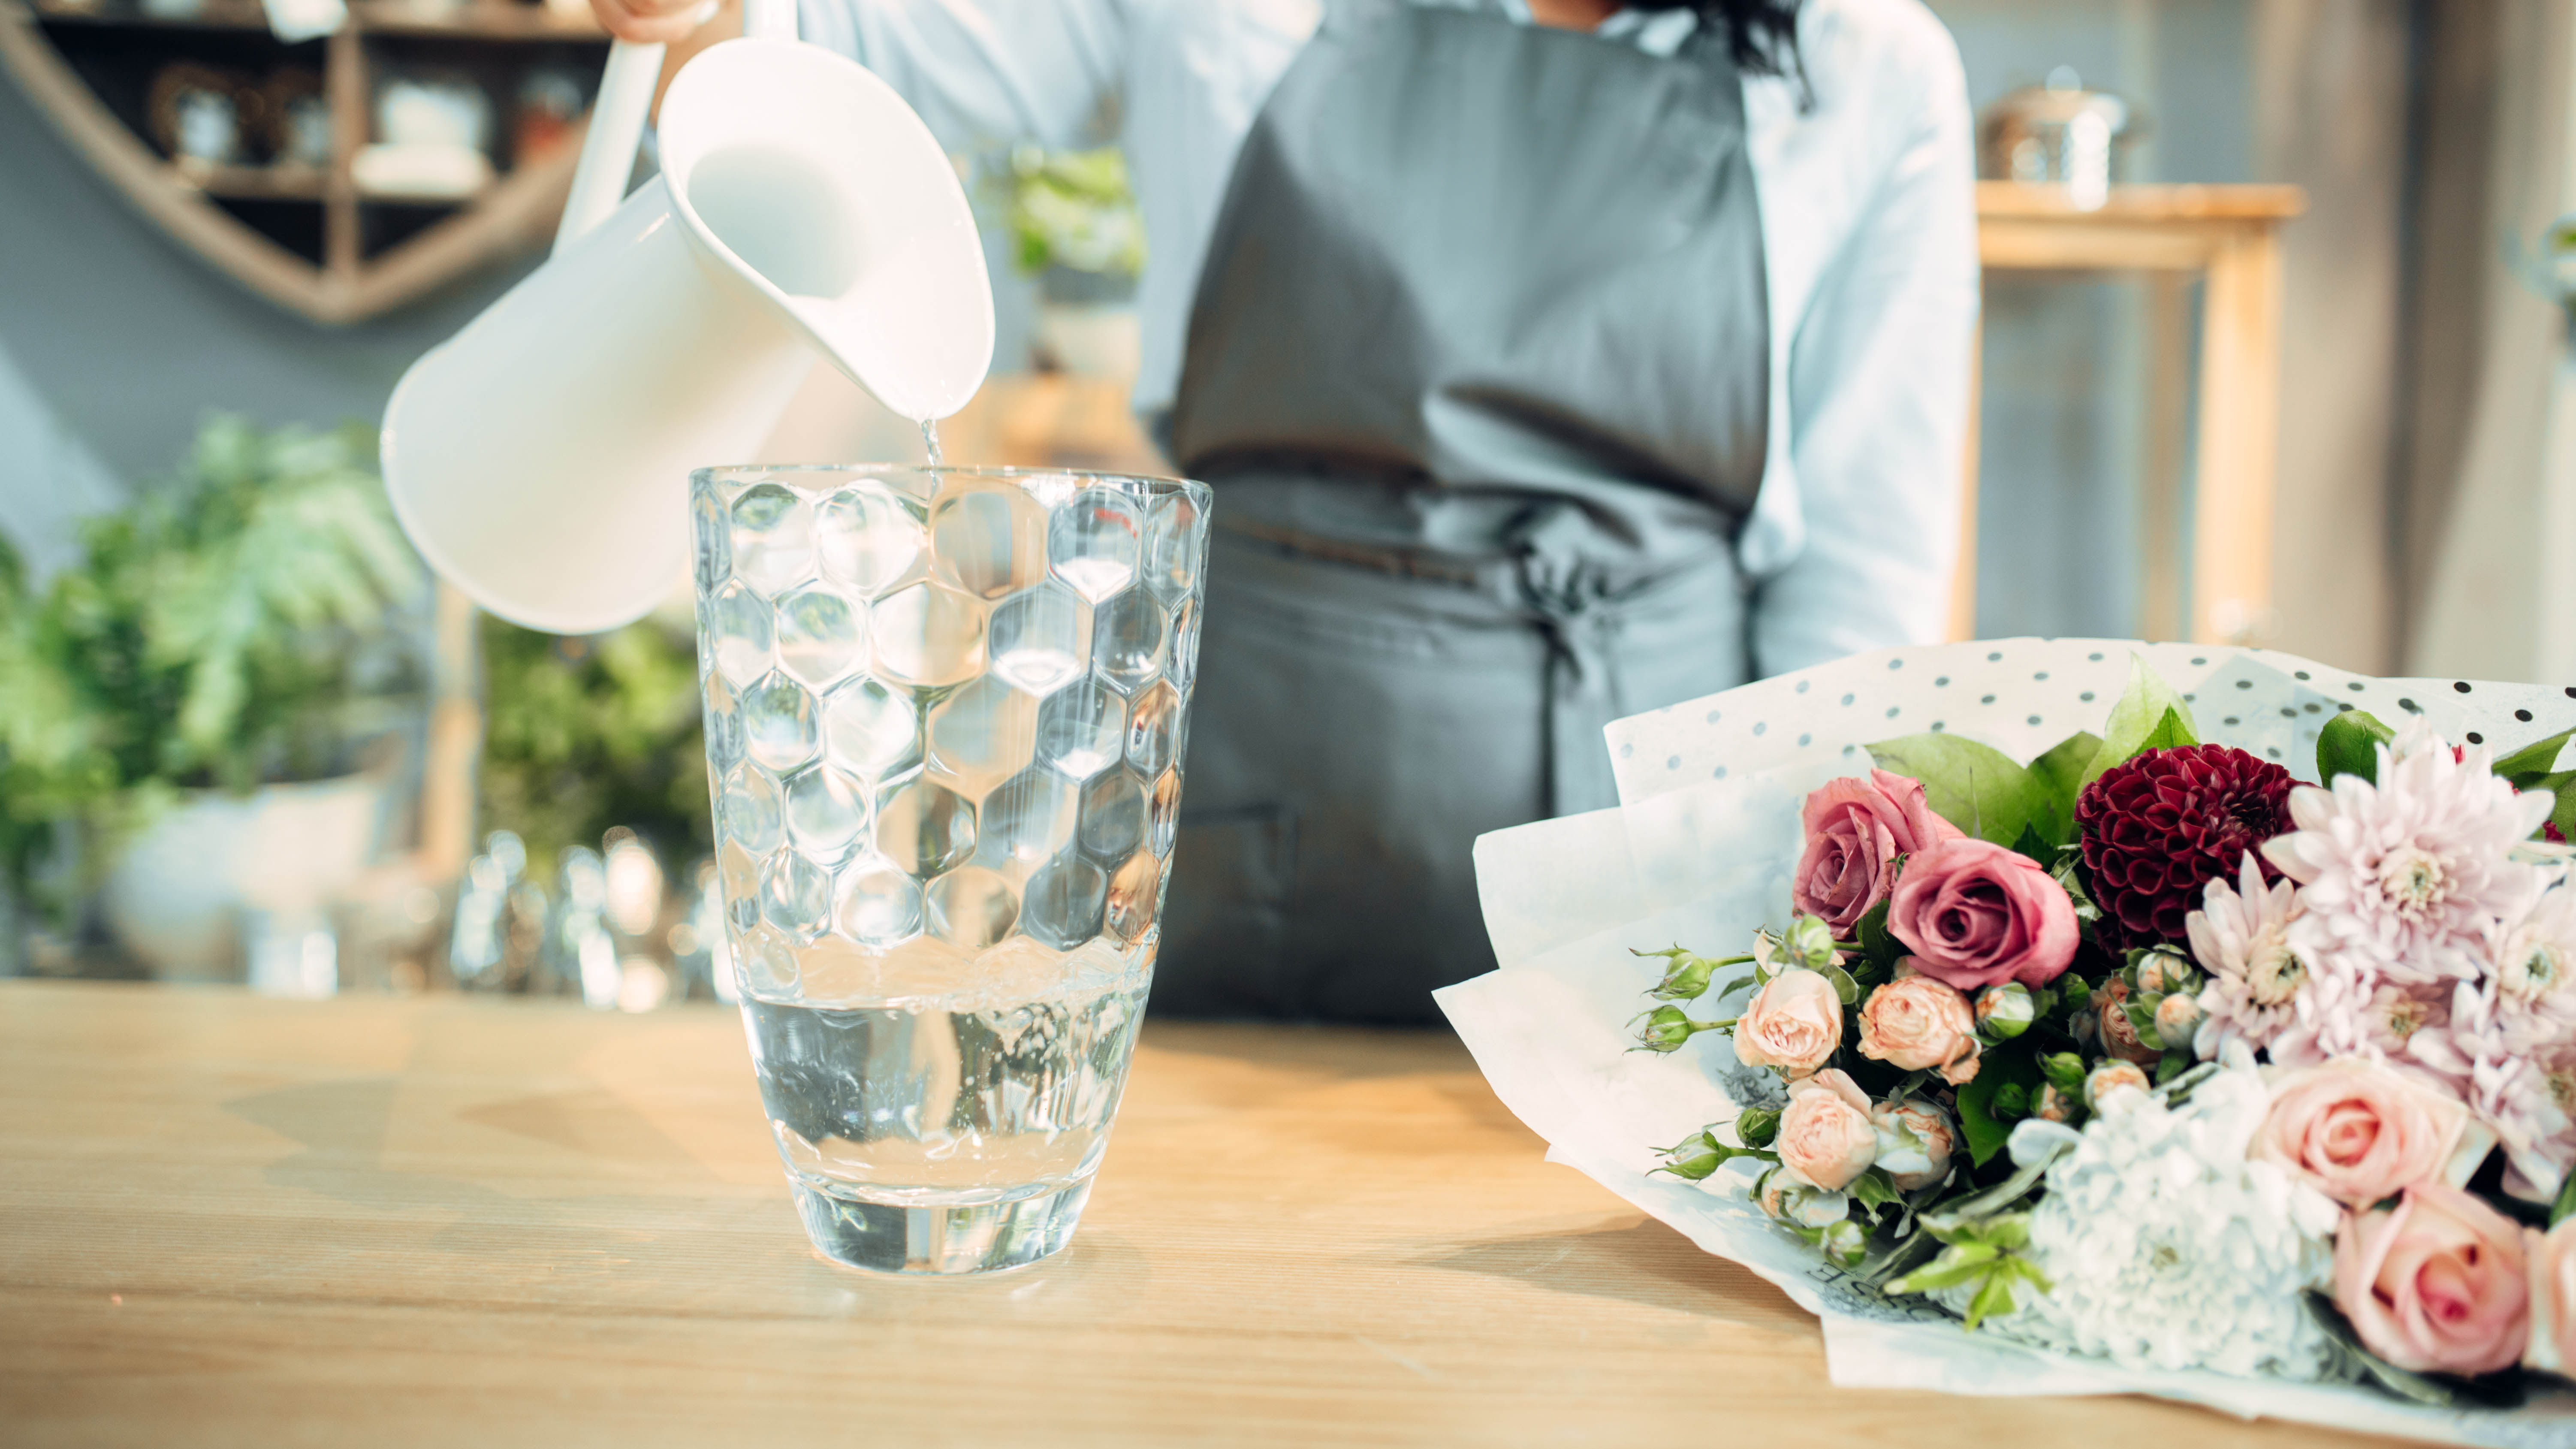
[{"x": 1762, "y": 34}]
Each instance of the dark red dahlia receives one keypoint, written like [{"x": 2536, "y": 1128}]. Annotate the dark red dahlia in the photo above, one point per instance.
[{"x": 2163, "y": 825}]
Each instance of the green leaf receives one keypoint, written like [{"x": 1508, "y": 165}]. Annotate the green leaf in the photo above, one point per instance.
[
  {"x": 2039, "y": 850},
  {"x": 1876, "y": 942},
  {"x": 1986, "y": 1130},
  {"x": 2524, "y": 766},
  {"x": 2348, "y": 745},
  {"x": 1963, "y": 1264},
  {"x": 1975, "y": 787},
  {"x": 2142, "y": 1020},
  {"x": 1875, "y": 1188},
  {"x": 1994, "y": 1300},
  {"x": 1844, "y": 986},
  {"x": 2061, "y": 773},
  {"x": 2149, "y": 716}
]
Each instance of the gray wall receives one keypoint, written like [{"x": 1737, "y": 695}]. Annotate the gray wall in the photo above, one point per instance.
[
  {"x": 2312, "y": 92},
  {"x": 113, "y": 339}
]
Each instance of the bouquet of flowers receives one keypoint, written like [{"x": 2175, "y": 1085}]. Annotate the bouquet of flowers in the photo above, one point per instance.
[{"x": 2141, "y": 1050}]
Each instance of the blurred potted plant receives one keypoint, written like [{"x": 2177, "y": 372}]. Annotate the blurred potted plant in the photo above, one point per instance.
[
  {"x": 1074, "y": 225},
  {"x": 582, "y": 735},
  {"x": 183, "y": 712}
]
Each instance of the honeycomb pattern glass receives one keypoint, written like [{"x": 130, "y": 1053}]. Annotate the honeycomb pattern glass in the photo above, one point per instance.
[{"x": 947, "y": 713}]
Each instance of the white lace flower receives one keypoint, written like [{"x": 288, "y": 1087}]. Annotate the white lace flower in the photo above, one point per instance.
[
  {"x": 2166, "y": 1248},
  {"x": 2400, "y": 879},
  {"x": 2241, "y": 937}
]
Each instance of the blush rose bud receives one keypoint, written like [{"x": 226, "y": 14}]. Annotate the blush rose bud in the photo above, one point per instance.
[
  {"x": 1843, "y": 1244},
  {"x": 1669, "y": 1029},
  {"x": 2176, "y": 1017},
  {"x": 1695, "y": 1158},
  {"x": 1916, "y": 1024},
  {"x": 1789, "y": 1198},
  {"x": 2160, "y": 970},
  {"x": 1826, "y": 1136},
  {"x": 2112, "y": 1077},
  {"x": 1914, "y": 1142},
  {"x": 1809, "y": 943},
  {"x": 2006, "y": 1011},
  {"x": 1687, "y": 980},
  {"x": 2119, "y": 1035},
  {"x": 1793, "y": 1024},
  {"x": 2054, "y": 1106}
]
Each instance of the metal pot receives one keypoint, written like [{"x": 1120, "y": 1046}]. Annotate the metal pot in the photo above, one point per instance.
[{"x": 2057, "y": 134}]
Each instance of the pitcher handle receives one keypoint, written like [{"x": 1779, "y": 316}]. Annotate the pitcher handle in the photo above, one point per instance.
[
  {"x": 617, "y": 118},
  {"x": 616, "y": 129}
]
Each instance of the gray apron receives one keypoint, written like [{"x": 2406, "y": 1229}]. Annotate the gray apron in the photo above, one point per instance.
[{"x": 1479, "y": 368}]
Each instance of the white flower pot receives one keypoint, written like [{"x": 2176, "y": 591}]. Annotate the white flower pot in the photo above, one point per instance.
[{"x": 176, "y": 896}]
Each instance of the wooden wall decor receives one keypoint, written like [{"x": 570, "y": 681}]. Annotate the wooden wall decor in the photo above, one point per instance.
[{"x": 300, "y": 218}]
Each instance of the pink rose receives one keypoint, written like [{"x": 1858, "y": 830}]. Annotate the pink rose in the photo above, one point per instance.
[
  {"x": 1826, "y": 1137},
  {"x": 1916, "y": 1024},
  {"x": 2436, "y": 1284},
  {"x": 1854, "y": 829},
  {"x": 1794, "y": 1023},
  {"x": 2552, "y": 1260},
  {"x": 1975, "y": 914},
  {"x": 2358, "y": 1131}
]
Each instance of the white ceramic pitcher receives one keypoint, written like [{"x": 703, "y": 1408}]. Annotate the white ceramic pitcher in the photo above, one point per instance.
[{"x": 539, "y": 459}]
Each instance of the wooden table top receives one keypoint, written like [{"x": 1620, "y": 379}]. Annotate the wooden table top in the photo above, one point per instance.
[{"x": 229, "y": 1220}]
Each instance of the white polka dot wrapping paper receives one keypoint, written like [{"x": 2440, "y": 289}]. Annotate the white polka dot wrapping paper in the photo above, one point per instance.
[{"x": 1699, "y": 854}]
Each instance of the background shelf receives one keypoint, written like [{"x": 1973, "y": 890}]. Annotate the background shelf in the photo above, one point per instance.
[{"x": 308, "y": 237}]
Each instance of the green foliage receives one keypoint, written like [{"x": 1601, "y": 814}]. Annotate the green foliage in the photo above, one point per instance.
[
  {"x": 235, "y": 625},
  {"x": 1989, "y": 1253},
  {"x": 2061, "y": 771},
  {"x": 2348, "y": 745},
  {"x": 583, "y": 734},
  {"x": 1073, "y": 209},
  {"x": 1975, "y": 787},
  {"x": 1980, "y": 1122},
  {"x": 2527, "y": 766},
  {"x": 2149, "y": 716}
]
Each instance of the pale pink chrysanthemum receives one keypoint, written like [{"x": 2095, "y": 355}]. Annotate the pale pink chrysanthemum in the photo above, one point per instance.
[
  {"x": 2530, "y": 955},
  {"x": 2241, "y": 937},
  {"x": 2527, "y": 1098},
  {"x": 2401, "y": 878}
]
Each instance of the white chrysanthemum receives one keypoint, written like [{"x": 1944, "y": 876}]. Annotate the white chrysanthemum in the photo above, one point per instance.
[
  {"x": 2401, "y": 878},
  {"x": 2166, "y": 1248},
  {"x": 2241, "y": 937}
]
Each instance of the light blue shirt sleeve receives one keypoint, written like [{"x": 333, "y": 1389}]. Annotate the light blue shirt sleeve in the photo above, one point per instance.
[
  {"x": 1870, "y": 225},
  {"x": 988, "y": 73}
]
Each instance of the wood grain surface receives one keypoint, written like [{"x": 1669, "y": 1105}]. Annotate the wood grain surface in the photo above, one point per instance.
[{"x": 227, "y": 1220}]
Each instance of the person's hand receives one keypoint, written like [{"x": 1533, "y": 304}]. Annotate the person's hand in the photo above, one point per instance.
[{"x": 652, "y": 21}]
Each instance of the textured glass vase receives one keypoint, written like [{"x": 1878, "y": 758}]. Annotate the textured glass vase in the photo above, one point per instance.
[{"x": 945, "y": 715}]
